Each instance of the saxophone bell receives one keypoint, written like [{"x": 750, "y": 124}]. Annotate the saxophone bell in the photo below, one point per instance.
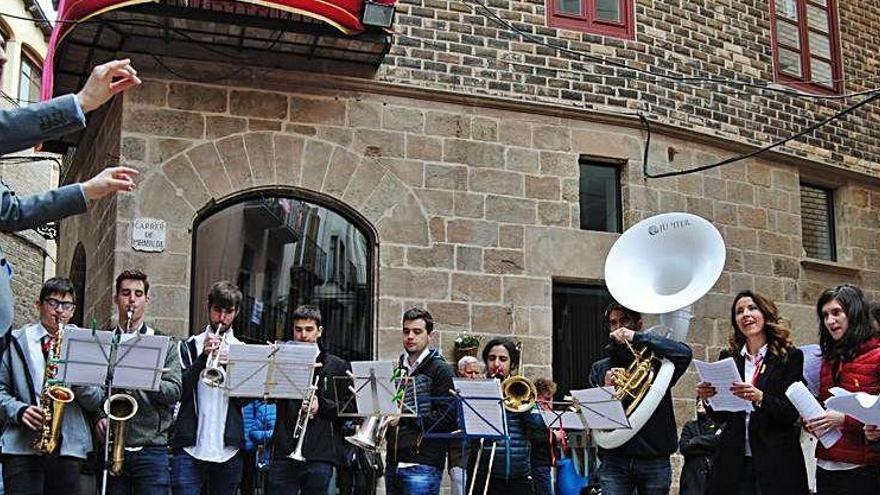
[{"x": 119, "y": 408}]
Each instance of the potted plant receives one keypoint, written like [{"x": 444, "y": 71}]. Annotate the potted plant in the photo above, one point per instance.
[{"x": 466, "y": 345}]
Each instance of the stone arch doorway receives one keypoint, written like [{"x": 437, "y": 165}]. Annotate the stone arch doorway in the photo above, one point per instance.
[{"x": 285, "y": 248}]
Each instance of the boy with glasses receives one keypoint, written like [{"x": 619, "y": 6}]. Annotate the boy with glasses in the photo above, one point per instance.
[{"x": 26, "y": 470}]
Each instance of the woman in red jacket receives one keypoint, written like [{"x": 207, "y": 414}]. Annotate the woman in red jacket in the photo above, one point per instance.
[{"x": 850, "y": 360}]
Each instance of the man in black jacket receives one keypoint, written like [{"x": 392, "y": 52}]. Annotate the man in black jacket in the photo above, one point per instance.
[
  {"x": 322, "y": 445},
  {"x": 699, "y": 442},
  {"x": 642, "y": 463},
  {"x": 415, "y": 462},
  {"x": 209, "y": 433}
]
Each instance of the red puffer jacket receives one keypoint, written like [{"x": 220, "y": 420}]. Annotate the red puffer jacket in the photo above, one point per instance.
[{"x": 862, "y": 374}]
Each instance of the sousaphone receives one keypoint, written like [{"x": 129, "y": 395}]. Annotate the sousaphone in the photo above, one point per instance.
[{"x": 661, "y": 265}]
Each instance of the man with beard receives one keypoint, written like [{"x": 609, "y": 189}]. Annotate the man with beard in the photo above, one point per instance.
[{"x": 642, "y": 463}]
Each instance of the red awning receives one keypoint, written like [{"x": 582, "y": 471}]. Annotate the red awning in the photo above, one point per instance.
[{"x": 344, "y": 15}]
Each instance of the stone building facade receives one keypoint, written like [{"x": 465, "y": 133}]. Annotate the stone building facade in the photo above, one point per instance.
[{"x": 461, "y": 152}]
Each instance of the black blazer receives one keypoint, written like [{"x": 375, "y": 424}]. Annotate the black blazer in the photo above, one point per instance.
[{"x": 774, "y": 433}]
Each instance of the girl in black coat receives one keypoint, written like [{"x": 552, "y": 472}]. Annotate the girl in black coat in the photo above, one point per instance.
[
  {"x": 698, "y": 444},
  {"x": 772, "y": 461}
]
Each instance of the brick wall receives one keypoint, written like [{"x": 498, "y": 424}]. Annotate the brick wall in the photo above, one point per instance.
[{"x": 452, "y": 45}]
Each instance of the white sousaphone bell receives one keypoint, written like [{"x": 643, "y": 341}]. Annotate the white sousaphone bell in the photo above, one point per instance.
[{"x": 661, "y": 265}]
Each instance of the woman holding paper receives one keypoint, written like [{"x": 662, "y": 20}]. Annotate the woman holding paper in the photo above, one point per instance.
[
  {"x": 760, "y": 451},
  {"x": 850, "y": 360}
]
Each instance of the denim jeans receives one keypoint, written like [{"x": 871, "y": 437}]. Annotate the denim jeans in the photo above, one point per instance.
[
  {"x": 40, "y": 475},
  {"x": 420, "y": 479},
  {"x": 543, "y": 480},
  {"x": 289, "y": 477},
  {"x": 145, "y": 472},
  {"x": 189, "y": 475},
  {"x": 622, "y": 475}
]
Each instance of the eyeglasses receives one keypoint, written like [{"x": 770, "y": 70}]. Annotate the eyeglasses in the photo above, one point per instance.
[{"x": 55, "y": 304}]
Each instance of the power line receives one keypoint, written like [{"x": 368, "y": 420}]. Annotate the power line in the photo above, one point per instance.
[{"x": 751, "y": 154}]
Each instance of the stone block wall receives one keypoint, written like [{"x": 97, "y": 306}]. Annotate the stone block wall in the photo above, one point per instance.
[{"x": 475, "y": 208}]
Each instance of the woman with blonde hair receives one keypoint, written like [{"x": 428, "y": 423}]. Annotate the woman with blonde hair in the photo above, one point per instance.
[{"x": 760, "y": 451}]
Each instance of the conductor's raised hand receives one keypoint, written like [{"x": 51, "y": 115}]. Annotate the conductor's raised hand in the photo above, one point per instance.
[
  {"x": 106, "y": 81},
  {"x": 109, "y": 181}
]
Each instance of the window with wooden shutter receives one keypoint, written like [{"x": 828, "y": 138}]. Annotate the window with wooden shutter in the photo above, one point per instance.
[{"x": 817, "y": 222}]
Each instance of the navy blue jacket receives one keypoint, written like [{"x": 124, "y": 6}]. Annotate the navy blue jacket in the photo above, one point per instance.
[
  {"x": 407, "y": 442},
  {"x": 513, "y": 454},
  {"x": 658, "y": 438}
]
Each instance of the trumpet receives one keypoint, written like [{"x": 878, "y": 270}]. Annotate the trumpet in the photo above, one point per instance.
[
  {"x": 302, "y": 421},
  {"x": 214, "y": 375}
]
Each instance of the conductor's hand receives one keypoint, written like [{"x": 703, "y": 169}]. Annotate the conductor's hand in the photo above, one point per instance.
[
  {"x": 831, "y": 420},
  {"x": 705, "y": 390},
  {"x": 33, "y": 418},
  {"x": 101, "y": 428},
  {"x": 872, "y": 433},
  {"x": 622, "y": 335},
  {"x": 106, "y": 81},
  {"x": 109, "y": 181},
  {"x": 609, "y": 376}
]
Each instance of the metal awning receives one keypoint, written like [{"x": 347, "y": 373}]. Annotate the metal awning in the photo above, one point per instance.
[{"x": 284, "y": 34}]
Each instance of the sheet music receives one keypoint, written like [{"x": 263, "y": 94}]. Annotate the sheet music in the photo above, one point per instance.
[
  {"x": 385, "y": 387},
  {"x": 812, "y": 365},
  {"x": 567, "y": 420},
  {"x": 722, "y": 375},
  {"x": 809, "y": 408},
  {"x": 140, "y": 359},
  {"x": 482, "y": 414},
  {"x": 282, "y": 372},
  {"x": 862, "y": 406},
  {"x": 600, "y": 409}
]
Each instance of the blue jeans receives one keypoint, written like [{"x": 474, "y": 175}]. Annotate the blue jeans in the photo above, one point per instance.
[
  {"x": 145, "y": 472},
  {"x": 622, "y": 475},
  {"x": 289, "y": 477},
  {"x": 542, "y": 479},
  {"x": 189, "y": 475},
  {"x": 420, "y": 479}
]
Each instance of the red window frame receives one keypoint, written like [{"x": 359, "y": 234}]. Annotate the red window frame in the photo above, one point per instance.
[
  {"x": 805, "y": 80},
  {"x": 587, "y": 20}
]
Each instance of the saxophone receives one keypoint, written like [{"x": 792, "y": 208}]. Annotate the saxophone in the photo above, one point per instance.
[{"x": 52, "y": 400}]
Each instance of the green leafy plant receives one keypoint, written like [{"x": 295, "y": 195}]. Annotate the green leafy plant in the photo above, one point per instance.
[{"x": 466, "y": 341}]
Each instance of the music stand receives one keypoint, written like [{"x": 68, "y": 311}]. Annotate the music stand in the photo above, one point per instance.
[
  {"x": 282, "y": 371},
  {"x": 107, "y": 359},
  {"x": 599, "y": 409},
  {"x": 377, "y": 391}
]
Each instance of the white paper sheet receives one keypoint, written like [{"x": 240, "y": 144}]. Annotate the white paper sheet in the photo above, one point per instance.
[
  {"x": 264, "y": 371},
  {"x": 139, "y": 359},
  {"x": 809, "y": 408},
  {"x": 567, "y": 420},
  {"x": 864, "y": 407},
  {"x": 482, "y": 414},
  {"x": 600, "y": 409},
  {"x": 722, "y": 374},
  {"x": 385, "y": 387},
  {"x": 812, "y": 365}
]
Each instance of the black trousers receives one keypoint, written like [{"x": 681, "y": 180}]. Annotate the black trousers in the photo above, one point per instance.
[
  {"x": 40, "y": 474},
  {"x": 864, "y": 480}
]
